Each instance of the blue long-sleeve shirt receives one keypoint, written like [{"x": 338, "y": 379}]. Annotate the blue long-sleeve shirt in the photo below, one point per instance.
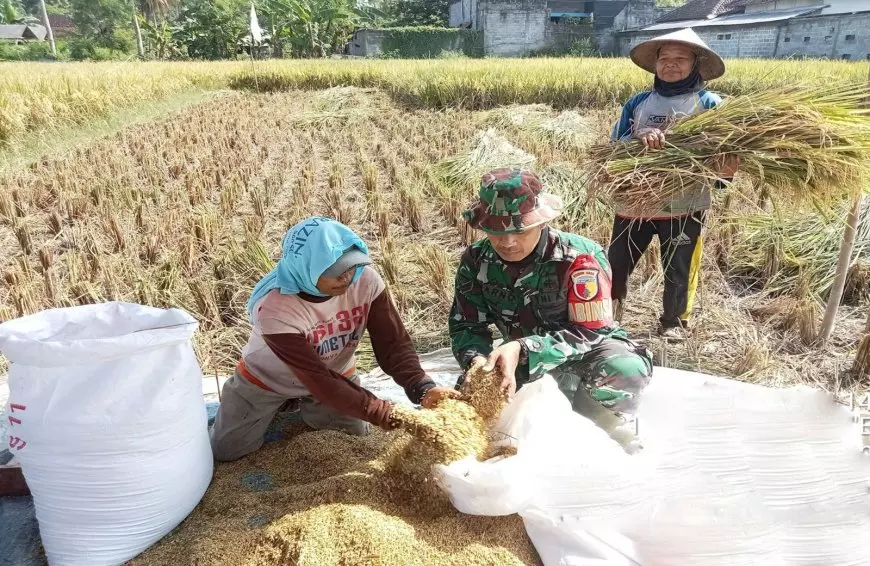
[{"x": 650, "y": 109}]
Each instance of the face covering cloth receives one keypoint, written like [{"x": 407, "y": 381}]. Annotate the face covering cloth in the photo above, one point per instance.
[{"x": 692, "y": 83}]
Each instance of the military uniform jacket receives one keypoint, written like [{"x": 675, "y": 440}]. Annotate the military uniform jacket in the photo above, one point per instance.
[{"x": 556, "y": 302}]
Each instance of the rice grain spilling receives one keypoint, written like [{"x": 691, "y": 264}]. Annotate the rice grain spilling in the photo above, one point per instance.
[{"x": 325, "y": 498}]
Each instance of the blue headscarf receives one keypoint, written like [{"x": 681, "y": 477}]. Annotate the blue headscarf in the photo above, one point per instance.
[{"x": 309, "y": 248}]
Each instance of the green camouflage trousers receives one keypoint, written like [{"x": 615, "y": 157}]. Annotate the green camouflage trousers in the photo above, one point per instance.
[{"x": 605, "y": 384}]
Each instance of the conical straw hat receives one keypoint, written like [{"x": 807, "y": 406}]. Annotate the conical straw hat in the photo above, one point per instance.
[{"x": 710, "y": 64}]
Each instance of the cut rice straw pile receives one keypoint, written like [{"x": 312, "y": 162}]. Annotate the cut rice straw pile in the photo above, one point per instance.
[
  {"x": 807, "y": 145},
  {"x": 489, "y": 150},
  {"x": 581, "y": 214},
  {"x": 785, "y": 254},
  {"x": 565, "y": 130}
]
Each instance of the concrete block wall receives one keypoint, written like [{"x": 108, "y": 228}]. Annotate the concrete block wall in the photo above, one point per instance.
[
  {"x": 636, "y": 14},
  {"x": 563, "y": 36},
  {"x": 513, "y": 27},
  {"x": 836, "y": 37},
  {"x": 728, "y": 41},
  {"x": 829, "y": 36},
  {"x": 366, "y": 43},
  {"x": 752, "y": 41}
]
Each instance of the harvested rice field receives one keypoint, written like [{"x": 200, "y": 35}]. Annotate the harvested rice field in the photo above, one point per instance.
[{"x": 188, "y": 210}]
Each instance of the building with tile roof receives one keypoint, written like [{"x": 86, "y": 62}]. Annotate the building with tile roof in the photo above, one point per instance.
[{"x": 833, "y": 29}]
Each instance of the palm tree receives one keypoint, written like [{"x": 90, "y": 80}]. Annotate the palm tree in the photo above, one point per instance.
[{"x": 152, "y": 10}]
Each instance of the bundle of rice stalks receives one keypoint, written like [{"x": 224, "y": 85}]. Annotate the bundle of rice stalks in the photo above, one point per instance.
[
  {"x": 566, "y": 130},
  {"x": 773, "y": 252},
  {"x": 808, "y": 144},
  {"x": 858, "y": 283},
  {"x": 249, "y": 263},
  {"x": 489, "y": 150},
  {"x": 791, "y": 315},
  {"x": 861, "y": 366},
  {"x": 754, "y": 359}
]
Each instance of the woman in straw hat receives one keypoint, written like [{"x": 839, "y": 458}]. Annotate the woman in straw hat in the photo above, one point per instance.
[{"x": 681, "y": 63}]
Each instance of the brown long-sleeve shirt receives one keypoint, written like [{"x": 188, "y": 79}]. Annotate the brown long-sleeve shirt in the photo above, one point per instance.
[{"x": 393, "y": 350}]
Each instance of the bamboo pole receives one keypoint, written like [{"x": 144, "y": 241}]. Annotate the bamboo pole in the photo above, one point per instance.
[
  {"x": 843, "y": 262},
  {"x": 48, "y": 27}
]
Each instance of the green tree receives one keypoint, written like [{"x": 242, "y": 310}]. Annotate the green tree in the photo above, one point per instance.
[
  {"x": 155, "y": 10},
  {"x": 161, "y": 42},
  {"x": 33, "y": 8},
  {"x": 417, "y": 12},
  {"x": 313, "y": 28},
  {"x": 10, "y": 12},
  {"x": 211, "y": 29},
  {"x": 103, "y": 21}
]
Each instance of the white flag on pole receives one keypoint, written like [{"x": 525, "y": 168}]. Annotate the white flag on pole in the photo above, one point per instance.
[{"x": 256, "y": 34}]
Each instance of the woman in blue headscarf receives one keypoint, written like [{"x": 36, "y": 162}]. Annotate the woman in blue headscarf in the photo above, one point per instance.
[{"x": 308, "y": 316}]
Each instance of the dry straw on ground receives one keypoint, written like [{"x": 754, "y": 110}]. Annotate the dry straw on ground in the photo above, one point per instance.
[
  {"x": 490, "y": 150},
  {"x": 185, "y": 191},
  {"x": 795, "y": 255}
]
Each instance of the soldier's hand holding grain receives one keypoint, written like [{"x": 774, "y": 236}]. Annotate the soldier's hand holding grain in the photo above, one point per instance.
[{"x": 507, "y": 358}]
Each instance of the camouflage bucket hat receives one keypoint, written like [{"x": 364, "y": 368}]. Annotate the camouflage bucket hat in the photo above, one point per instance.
[{"x": 511, "y": 200}]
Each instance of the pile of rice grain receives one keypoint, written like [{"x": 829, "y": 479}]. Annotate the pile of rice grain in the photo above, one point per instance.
[
  {"x": 454, "y": 430},
  {"x": 321, "y": 498}
]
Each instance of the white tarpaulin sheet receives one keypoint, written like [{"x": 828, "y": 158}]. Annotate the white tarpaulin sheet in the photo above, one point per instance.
[{"x": 731, "y": 474}]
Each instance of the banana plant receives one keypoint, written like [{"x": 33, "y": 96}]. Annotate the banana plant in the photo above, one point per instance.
[{"x": 314, "y": 28}]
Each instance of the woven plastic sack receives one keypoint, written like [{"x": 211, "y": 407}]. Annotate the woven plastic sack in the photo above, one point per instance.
[{"x": 108, "y": 422}]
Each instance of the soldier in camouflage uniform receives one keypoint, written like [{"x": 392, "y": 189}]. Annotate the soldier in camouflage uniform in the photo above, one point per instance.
[{"x": 548, "y": 293}]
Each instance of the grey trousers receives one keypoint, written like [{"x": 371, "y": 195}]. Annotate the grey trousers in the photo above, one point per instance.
[{"x": 246, "y": 410}]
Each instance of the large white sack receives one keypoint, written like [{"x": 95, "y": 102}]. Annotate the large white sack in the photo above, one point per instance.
[
  {"x": 109, "y": 425},
  {"x": 731, "y": 474},
  {"x": 552, "y": 441}
]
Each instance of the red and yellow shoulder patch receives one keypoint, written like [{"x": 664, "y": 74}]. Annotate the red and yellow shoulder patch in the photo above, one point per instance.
[
  {"x": 589, "y": 301},
  {"x": 584, "y": 284}
]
